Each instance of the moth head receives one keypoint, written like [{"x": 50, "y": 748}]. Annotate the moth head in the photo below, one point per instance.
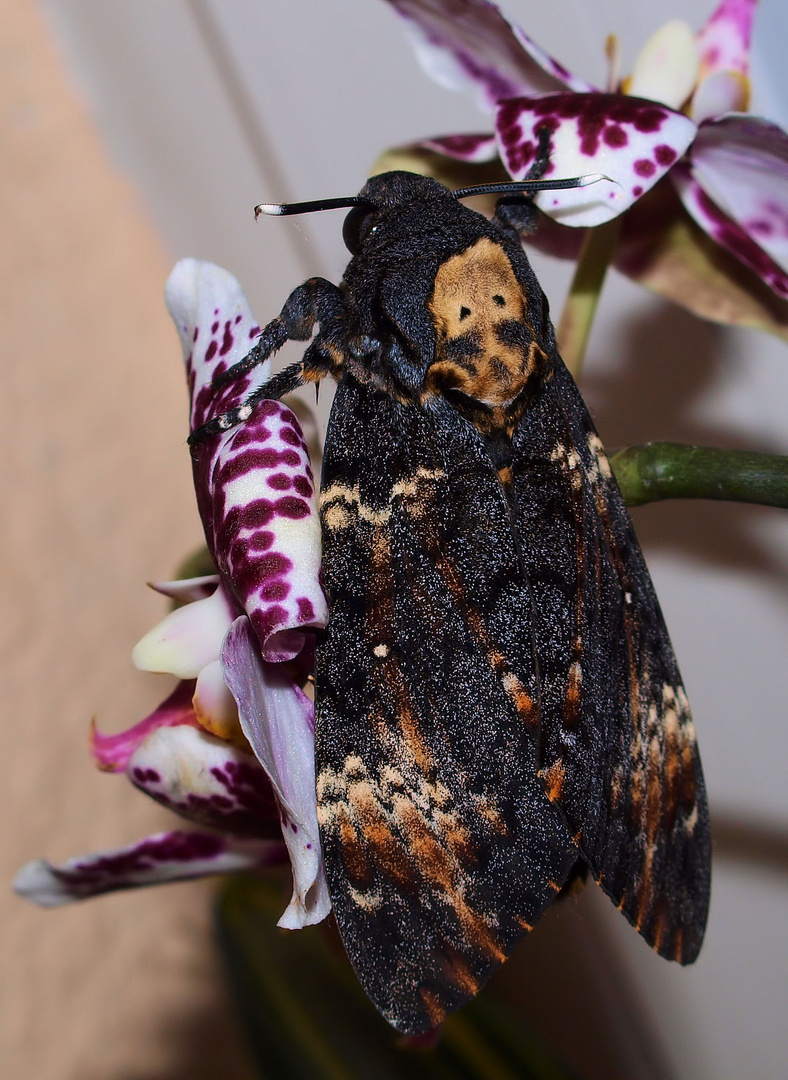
[{"x": 401, "y": 229}]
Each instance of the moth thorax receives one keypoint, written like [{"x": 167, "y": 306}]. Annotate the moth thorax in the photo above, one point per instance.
[{"x": 485, "y": 344}]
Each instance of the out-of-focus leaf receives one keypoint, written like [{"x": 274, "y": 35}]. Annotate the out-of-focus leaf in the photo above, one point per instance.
[
  {"x": 663, "y": 470},
  {"x": 307, "y": 1017},
  {"x": 663, "y": 249},
  {"x": 574, "y": 326},
  {"x": 198, "y": 564}
]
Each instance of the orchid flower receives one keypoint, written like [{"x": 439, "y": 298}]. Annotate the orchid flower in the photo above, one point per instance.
[
  {"x": 729, "y": 169},
  {"x": 232, "y": 748}
]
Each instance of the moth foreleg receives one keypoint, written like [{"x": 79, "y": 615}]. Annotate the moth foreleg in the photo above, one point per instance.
[
  {"x": 520, "y": 212},
  {"x": 316, "y": 301}
]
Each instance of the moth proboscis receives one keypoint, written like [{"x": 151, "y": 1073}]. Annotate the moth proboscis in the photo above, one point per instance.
[{"x": 497, "y": 699}]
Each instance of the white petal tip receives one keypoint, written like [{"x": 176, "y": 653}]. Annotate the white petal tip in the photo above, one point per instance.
[
  {"x": 298, "y": 914},
  {"x": 37, "y": 883}
]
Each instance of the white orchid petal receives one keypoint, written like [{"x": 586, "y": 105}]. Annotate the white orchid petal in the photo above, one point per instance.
[
  {"x": 632, "y": 141},
  {"x": 277, "y": 720},
  {"x": 188, "y": 639},
  {"x": 667, "y": 66},
  {"x": 156, "y": 860},
  {"x": 206, "y": 780},
  {"x": 471, "y": 45},
  {"x": 722, "y": 92},
  {"x": 741, "y": 162}
]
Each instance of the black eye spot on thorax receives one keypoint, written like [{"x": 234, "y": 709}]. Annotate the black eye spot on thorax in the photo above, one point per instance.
[
  {"x": 464, "y": 313},
  {"x": 499, "y": 300}
]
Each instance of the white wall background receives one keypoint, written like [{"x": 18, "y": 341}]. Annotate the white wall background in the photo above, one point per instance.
[{"x": 213, "y": 105}]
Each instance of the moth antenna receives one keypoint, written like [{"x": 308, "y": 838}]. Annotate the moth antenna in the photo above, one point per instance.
[
  {"x": 528, "y": 187},
  {"x": 286, "y": 209}
]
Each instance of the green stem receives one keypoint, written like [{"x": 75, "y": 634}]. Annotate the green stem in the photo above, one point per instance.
[
  {"x": 663, "y": 470},
  {"x": 574, "y": 327}
]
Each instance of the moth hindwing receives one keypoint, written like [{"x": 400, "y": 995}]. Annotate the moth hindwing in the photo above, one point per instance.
[{"x": 497, "y": 699}]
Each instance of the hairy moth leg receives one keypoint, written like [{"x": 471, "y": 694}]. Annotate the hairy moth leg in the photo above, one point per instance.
[
  {"x": 521, "y": 213},
  {"x": 315, "y": 301}
]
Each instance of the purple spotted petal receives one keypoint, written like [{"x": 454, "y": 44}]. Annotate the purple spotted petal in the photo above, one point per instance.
[
  {"x": 727, "y": 233},
  {"x": 473, "y": 148},
  {"x": 264, "y": 528},
  {"x": 741, "y": 162},
  {"x": 472, "y": 45},
  {"x": 206, "y": 780},
  {"x": 631, "y": 140},
  {"x": 254, "y": 485},
  {"x": 163, "y": 857},
  {"x": 724, "y": 40},
  {"x": 112, "y": 753},
  {"x": 217, "y": 329},
  {"x": 277, "y": 719}
]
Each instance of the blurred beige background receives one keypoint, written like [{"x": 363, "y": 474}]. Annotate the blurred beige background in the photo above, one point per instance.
[
  {"x": 135, "y": 132},
  {"x": 96, "y": 499}
]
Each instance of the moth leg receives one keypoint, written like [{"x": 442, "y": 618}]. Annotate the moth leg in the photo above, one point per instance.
[
  {"x": 316, "y": 301},
  {"x": 520, "y": 212},
  {"x": 542, "y": 159}
]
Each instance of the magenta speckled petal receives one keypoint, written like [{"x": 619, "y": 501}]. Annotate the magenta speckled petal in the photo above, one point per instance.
[
  {"x": 277, "y": 719},
  {"x": 266, "y": 529},
  {"x": 217, "y": 329},
  {"x": 112, "y": 753},
  {"x": 631, "y": 140},
  {"x": 473, "y": 148},
  {"x": 163, "y": 857},
  {"x": 206, "y": 780},
  {"x": 254, "y": 485},
  {"x": 472, "y": 45},
  {"x": 727, "y": 233},
  {"x": 741, "y": 162},
  {"x": 724, "y": 39}
]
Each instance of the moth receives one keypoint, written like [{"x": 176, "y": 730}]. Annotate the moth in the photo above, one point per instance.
[{"x": 498, "y": 705}]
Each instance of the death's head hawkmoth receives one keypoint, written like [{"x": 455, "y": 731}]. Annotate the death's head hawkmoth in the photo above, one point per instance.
[{"x": 497, "y": 700}]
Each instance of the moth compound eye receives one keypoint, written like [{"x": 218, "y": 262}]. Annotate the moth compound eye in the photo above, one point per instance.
[{"x": 357, "y": 227}]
